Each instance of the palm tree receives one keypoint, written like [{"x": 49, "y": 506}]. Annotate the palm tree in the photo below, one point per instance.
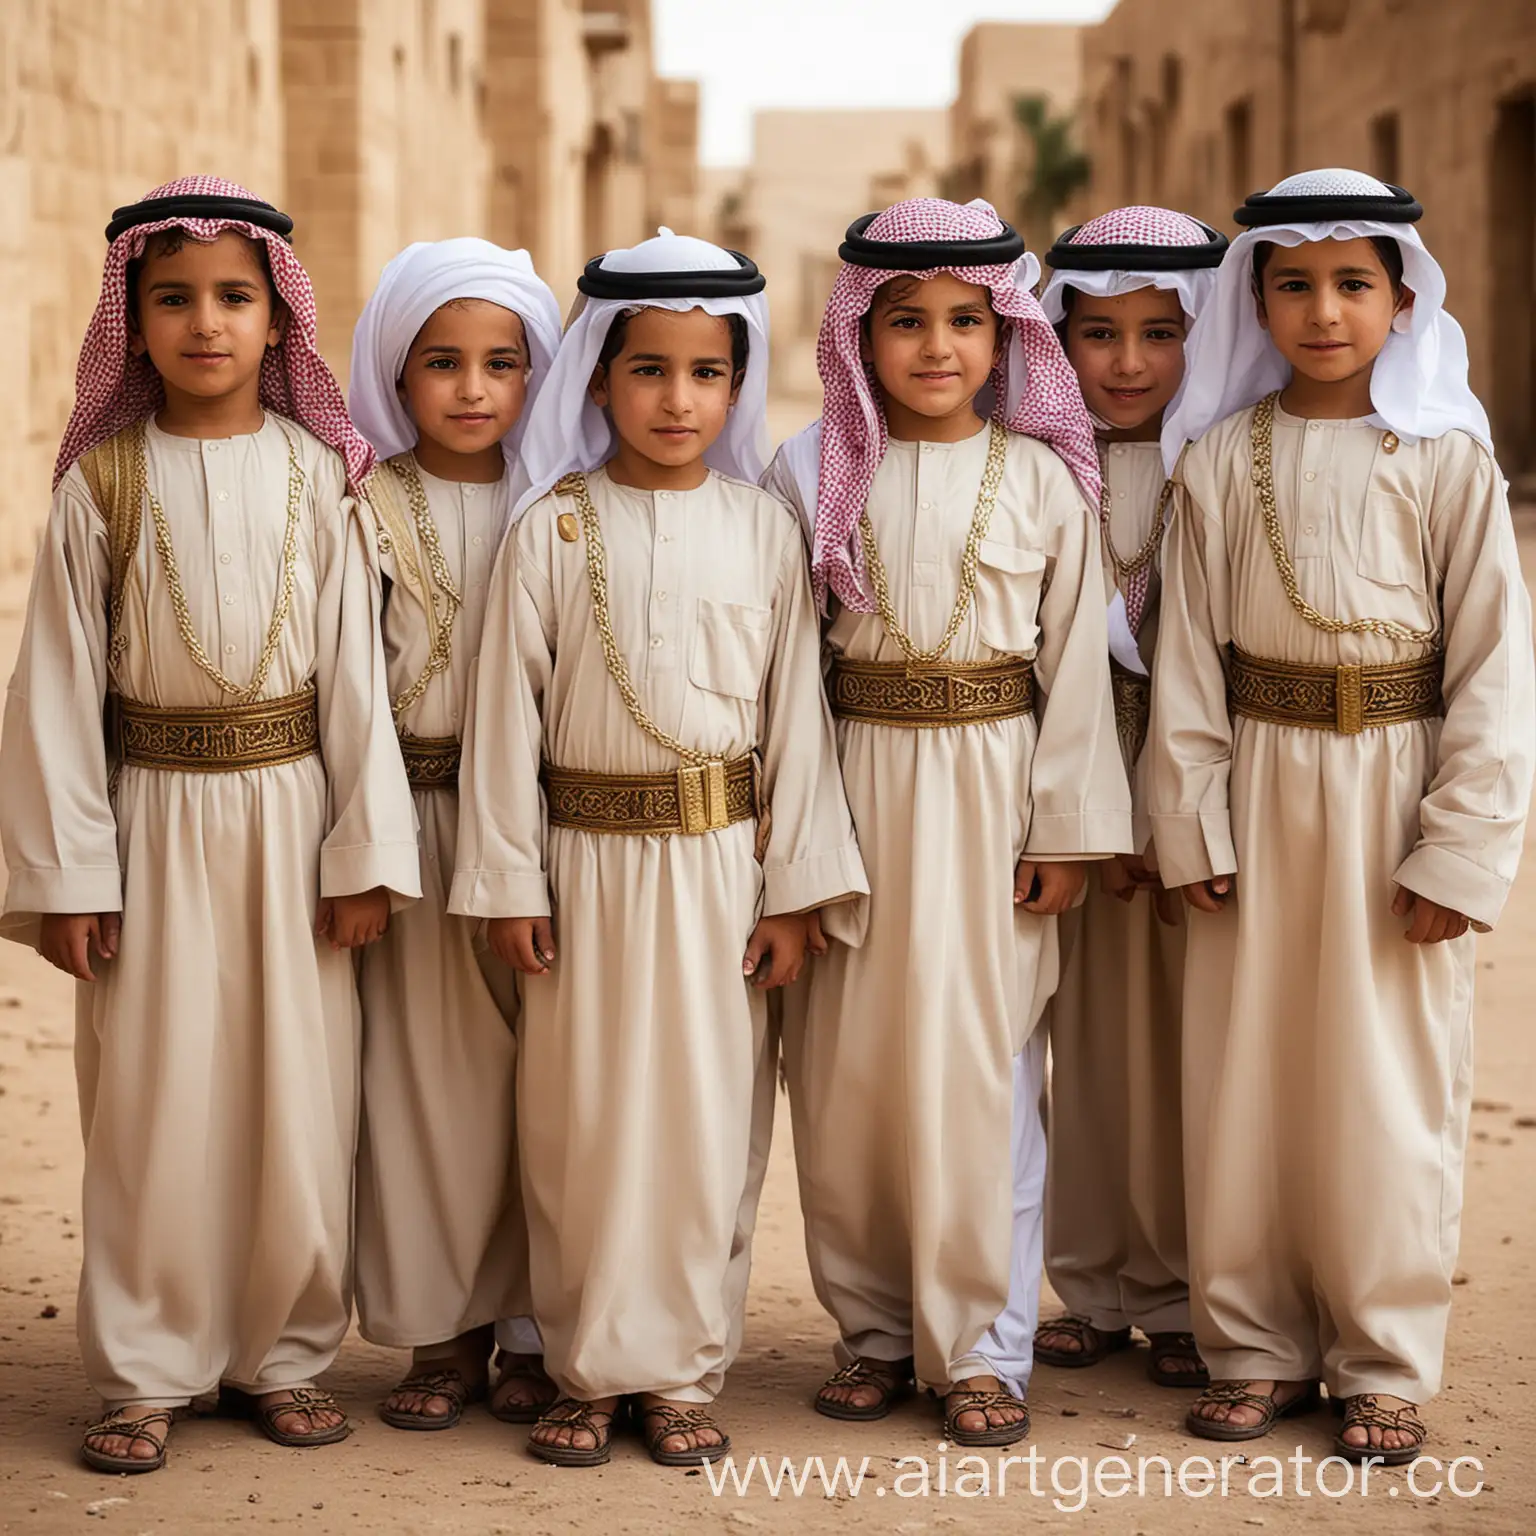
[{"x": 1057, "y": 168}]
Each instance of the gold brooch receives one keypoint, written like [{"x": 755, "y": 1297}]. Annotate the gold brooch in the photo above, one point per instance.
[
  {"x": 1389, "y": 443},
  {"x": 570, "y": 529}
]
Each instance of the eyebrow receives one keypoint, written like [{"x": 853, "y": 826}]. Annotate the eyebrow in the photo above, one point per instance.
[
  {"x": 662, "y": 357},
  {"x": 459, "y": 351},
  {"x": 223, "y": 282}
]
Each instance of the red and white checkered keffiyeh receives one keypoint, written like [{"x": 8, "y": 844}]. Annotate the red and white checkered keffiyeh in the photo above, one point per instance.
[
  {"x": 1034, "y": 388},
  {"x": 114, "y": 389}
]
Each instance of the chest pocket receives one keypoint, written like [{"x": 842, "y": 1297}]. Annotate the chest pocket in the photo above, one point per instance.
[
  {"x": 1008, "y": 584},
  {"x": 730, "y": 648},
  {"x": 1392, "y": 543}
]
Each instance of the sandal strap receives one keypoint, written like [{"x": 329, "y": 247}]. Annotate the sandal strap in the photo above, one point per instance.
[
  {"x": 134, "y": 1429},
  {"x": 1364, "y": 1411},
  {"x": 1075, "y": 1327},
  {"x": 305, "y": 1401},
  {"x": 956, "y": 1403},
  {"x": 571, "y": 1412},
  {"x": 1235, "y": 1394},
  {"x": 676, "y": 1421},
  {"x": 862, "y": 1373},
  {"x": 447, "y": 1383}
]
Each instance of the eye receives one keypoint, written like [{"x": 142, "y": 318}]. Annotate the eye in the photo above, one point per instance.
[
  {"x": 707, "y": 372},
  {"x": 1099, "y": 333},
  {"x": 503, "y": 365},
  {"x": 1355, "y": 285},
  {"x": 441, "y": 364},
  {"x": 236, "y": 296},
  {"x": 171, "y": 300},
  {"x": 1293, "y": 285},
  {"x": 906, "y": 323},
  {"x": 647, "y": 370},
  {"x": 1163, "y": 333},
  {"x": 967, "y": 322}
]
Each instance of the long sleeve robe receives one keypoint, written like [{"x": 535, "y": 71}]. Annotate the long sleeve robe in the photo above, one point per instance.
[
  {"x": 638, "y": 1047},
  {"x": 1114, "y": 1239},
  {"x": 901, "y": 1067},
  {"x": 1327, "y": 1062},
  {"x": 217, "y": 1055},
  {"x": 441, "y": 1243}
]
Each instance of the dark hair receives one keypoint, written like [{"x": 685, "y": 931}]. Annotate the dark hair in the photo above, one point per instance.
[
  {"x": 1388, "y": 251},
  {"x": 613, "y": 343},
  {"x": 167, "y": 242}
]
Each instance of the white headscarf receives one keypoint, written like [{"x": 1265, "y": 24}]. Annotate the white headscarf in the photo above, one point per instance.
[
  {"x": 412, "y": 287},
  {"x": 1419, "y": 383},
  {"x": 567, "y": 432}
]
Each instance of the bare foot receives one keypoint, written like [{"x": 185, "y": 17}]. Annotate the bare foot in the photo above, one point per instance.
[
  {"x": 1376, "y": 1437},
  {"x": 414, "y": 1398},
  {"x": 976, "y": 1421},
  {"x": 135, "y": 1448},
  {"x": 696, "y": 1437},
  {"x": 521, "y": 1383},
  {"x": 302, "y": 1422},
  {"x": 851, "y": 1393},
  {"x": 550, "y": 1431},
  {"x": 1244, "y": 1415}
]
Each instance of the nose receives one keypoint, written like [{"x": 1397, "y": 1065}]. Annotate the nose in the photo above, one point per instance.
[
  {"x": 676, "y": 398},
  {"x": 471, "y": 385},
  {"x": 1325, "y": 307},
  {"x": 1129, "y": 357},
  {"x": 205, "y": 320}
]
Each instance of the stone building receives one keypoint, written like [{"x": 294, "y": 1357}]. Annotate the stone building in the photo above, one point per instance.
[
  {"x": 812, "y": 174},
  {"x": 1197, "y": 103},
  {"x": 538, "y": 123}
]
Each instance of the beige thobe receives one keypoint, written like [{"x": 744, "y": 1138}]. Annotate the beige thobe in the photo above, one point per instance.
[
  {"x": 901, "y": 1068},
  {"x": 636, "y": 1079},
  {"x": 1114, "y": 1215},
  {"x": 217, "y": 1055},
  {"x": 1327, "y": 1062},
  {"x": 441, "y": 1243}
]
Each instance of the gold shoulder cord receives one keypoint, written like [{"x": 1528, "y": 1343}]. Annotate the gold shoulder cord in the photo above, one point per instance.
[
  {"x": 1125, "y": 569},
  {"x": 1262, "y": 439},
  {"x": 114, "y": 473},
  {"x": 701, "y": 780},
  {"x": 436, "y": 588},
  {"x": 981, "y": 519}
]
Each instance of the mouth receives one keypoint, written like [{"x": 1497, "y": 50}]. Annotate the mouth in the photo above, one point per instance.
[
  {"x": 678, "y": 434},
  {"x": 472, "y": 418},
  {"x": 1325, "y": 346},
  {"x": 206, "y": 358},
  {"x": 1126, "y": 396},
  {"x": 936, "y": 377}
]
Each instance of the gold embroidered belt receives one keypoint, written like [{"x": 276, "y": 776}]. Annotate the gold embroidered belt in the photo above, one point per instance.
[
  {"x": 221, "y": 738},
  {"x": 1348, "y": 699},
  {"x": 431, "y": 762},
  {"x": 1132, "y": 693},
  {"x": 933, "y": 696},
  {"x": 690, "y": 800}
]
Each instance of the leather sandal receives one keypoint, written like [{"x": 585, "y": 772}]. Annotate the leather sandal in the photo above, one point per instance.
[
  {"x": 446, "y": 1383},
  {"x": 1168, "y": 1347},
  {"x": 1093, "y": 1343},
  {"x": 1235, "y": 1394},
  {"x": 964, "y": 1401},
  {"x": 307, "y": 1402},
  {"x": 892, "y": 1379},
  {"x": 131, "y": 1429},
  {"x": 674, "y": 1420},
  {"x": 573, "y": 1414},
  {"x": 1363, "y": 1410},
  {"x": 510, "y": 1367}
]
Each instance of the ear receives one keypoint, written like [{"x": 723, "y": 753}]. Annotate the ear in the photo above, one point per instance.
[
  {"x": 136, "y": 343},
  {"x": 736, "y": 383},
  {"x": 1258, "y": 304},
  {"x": 597, "y": 387},
  {"x": 1402, "y": 315},
  {"x": 279, "y": 326}
]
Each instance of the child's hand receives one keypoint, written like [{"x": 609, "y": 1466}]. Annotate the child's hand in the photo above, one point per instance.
[
  {"x": 1210, "y": 895},
  {"x": 1128, "y": 873},
  {"x": 527, "y": 944},
  {"x": 1432, "y": 923},
  {"x": 1059, "y": 886},
  {"x": 815, "y": 939},
  {"x": 349, "y": 922},
  {"x": 776, "y": 950},
  {"x": 67, "y": 938}
]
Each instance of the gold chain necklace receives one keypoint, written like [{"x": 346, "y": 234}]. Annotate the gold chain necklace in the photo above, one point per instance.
[
  {"x": 285, "y": 585},
  {"x": 618, "y": 668},
  {"x": 981, "y": 518},
  {"x": 1262, "y": 439},
  {"x": 1125, "y": 569},
  {"x": 441, "y": 615}
]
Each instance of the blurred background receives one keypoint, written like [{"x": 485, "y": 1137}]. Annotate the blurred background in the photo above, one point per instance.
[{"x": 569, "y": 126}]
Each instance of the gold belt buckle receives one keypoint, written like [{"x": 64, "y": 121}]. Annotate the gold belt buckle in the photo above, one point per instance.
[
  {"x": 701, "y": 798},
  {"x": 1349, "y": 700}
]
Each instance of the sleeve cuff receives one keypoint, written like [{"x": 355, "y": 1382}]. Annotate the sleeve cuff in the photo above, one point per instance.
[
  {"x": 65, "y": 890},
  {"x": 1086, "y": 835},
  {"x": 350, "y": 871},
  {"x": 817, "y": 881},
  {"x": 496, "y": 893},
  {"x": 1194, "y": 846},
  {"x": 1454, "y": 881}
]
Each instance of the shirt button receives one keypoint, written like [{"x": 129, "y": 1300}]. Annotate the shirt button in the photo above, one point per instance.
[
  {"x": 927, "y": 447},
  {"x": 1314, "y": 426},
  {"x": 477, "y": 540},
  {"x": 225, "y": 559},
  {"x": 657, "y": 642},
  {"x": 223, "y": 495},
  {"x": 1118, "y": 449},
  {"x": 1311, "y": 474},
  {"x": 1119, "y": 495},
  {"x": 213, "y": 447},
  {"x": 469, "y": 490},
  {"x": 229, "y": 602},
  {"x": 664, "y": 495},
  {"x": 1309, "y": 529},
  {"x": 229, "y": 650},
  {"x": 664, "y": 538},
  {"x": 927, "y": 506}
]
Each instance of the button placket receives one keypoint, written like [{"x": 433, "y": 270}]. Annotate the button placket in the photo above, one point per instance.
[
  {"x": 223, "y": 515},
  {"x": 927, "y": 539},
  {"x": 664, "y": 642},
  {"x": 1310, "y": 481}
]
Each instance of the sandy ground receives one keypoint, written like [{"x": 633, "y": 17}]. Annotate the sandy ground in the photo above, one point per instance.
[{"x": 221, "y": 1475}]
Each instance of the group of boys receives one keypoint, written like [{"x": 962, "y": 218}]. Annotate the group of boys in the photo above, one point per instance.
[{"x": 530, "y": 681}]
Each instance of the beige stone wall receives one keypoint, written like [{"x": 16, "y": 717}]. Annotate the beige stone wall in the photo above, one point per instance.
[
  {"x": 97, "y": 105},
  {"x": 673, "y": 165},
  {"x": 1196, "y": 103},
  {"x": 799, "y": 196}
]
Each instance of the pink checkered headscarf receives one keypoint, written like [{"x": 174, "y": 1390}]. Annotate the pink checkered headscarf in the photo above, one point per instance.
[
  {"x": 1034, "y": 388},
  {"x": 114, "y": 389}
]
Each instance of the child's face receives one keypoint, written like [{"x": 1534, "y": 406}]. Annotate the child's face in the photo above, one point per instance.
[
  {"x": 932, "y": 343},
  {"x": 1329, "y": 306},
  {"x": 205, "y": 314},
  {"x": 466, "y": 375},
  {"x": 1128, "y": 352},
  {"x": 671, "y": 386}
]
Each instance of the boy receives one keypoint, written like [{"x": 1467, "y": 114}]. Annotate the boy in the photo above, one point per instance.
[
  {"x": 650, "y": 756},
  {"x": 449, "y": 354},
  {"x": 964, "y": 566},
  {"x": 1124, "y": 290},
  {"x": 1341, "y": 765},
  {"x": 244, "y": 822}
]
